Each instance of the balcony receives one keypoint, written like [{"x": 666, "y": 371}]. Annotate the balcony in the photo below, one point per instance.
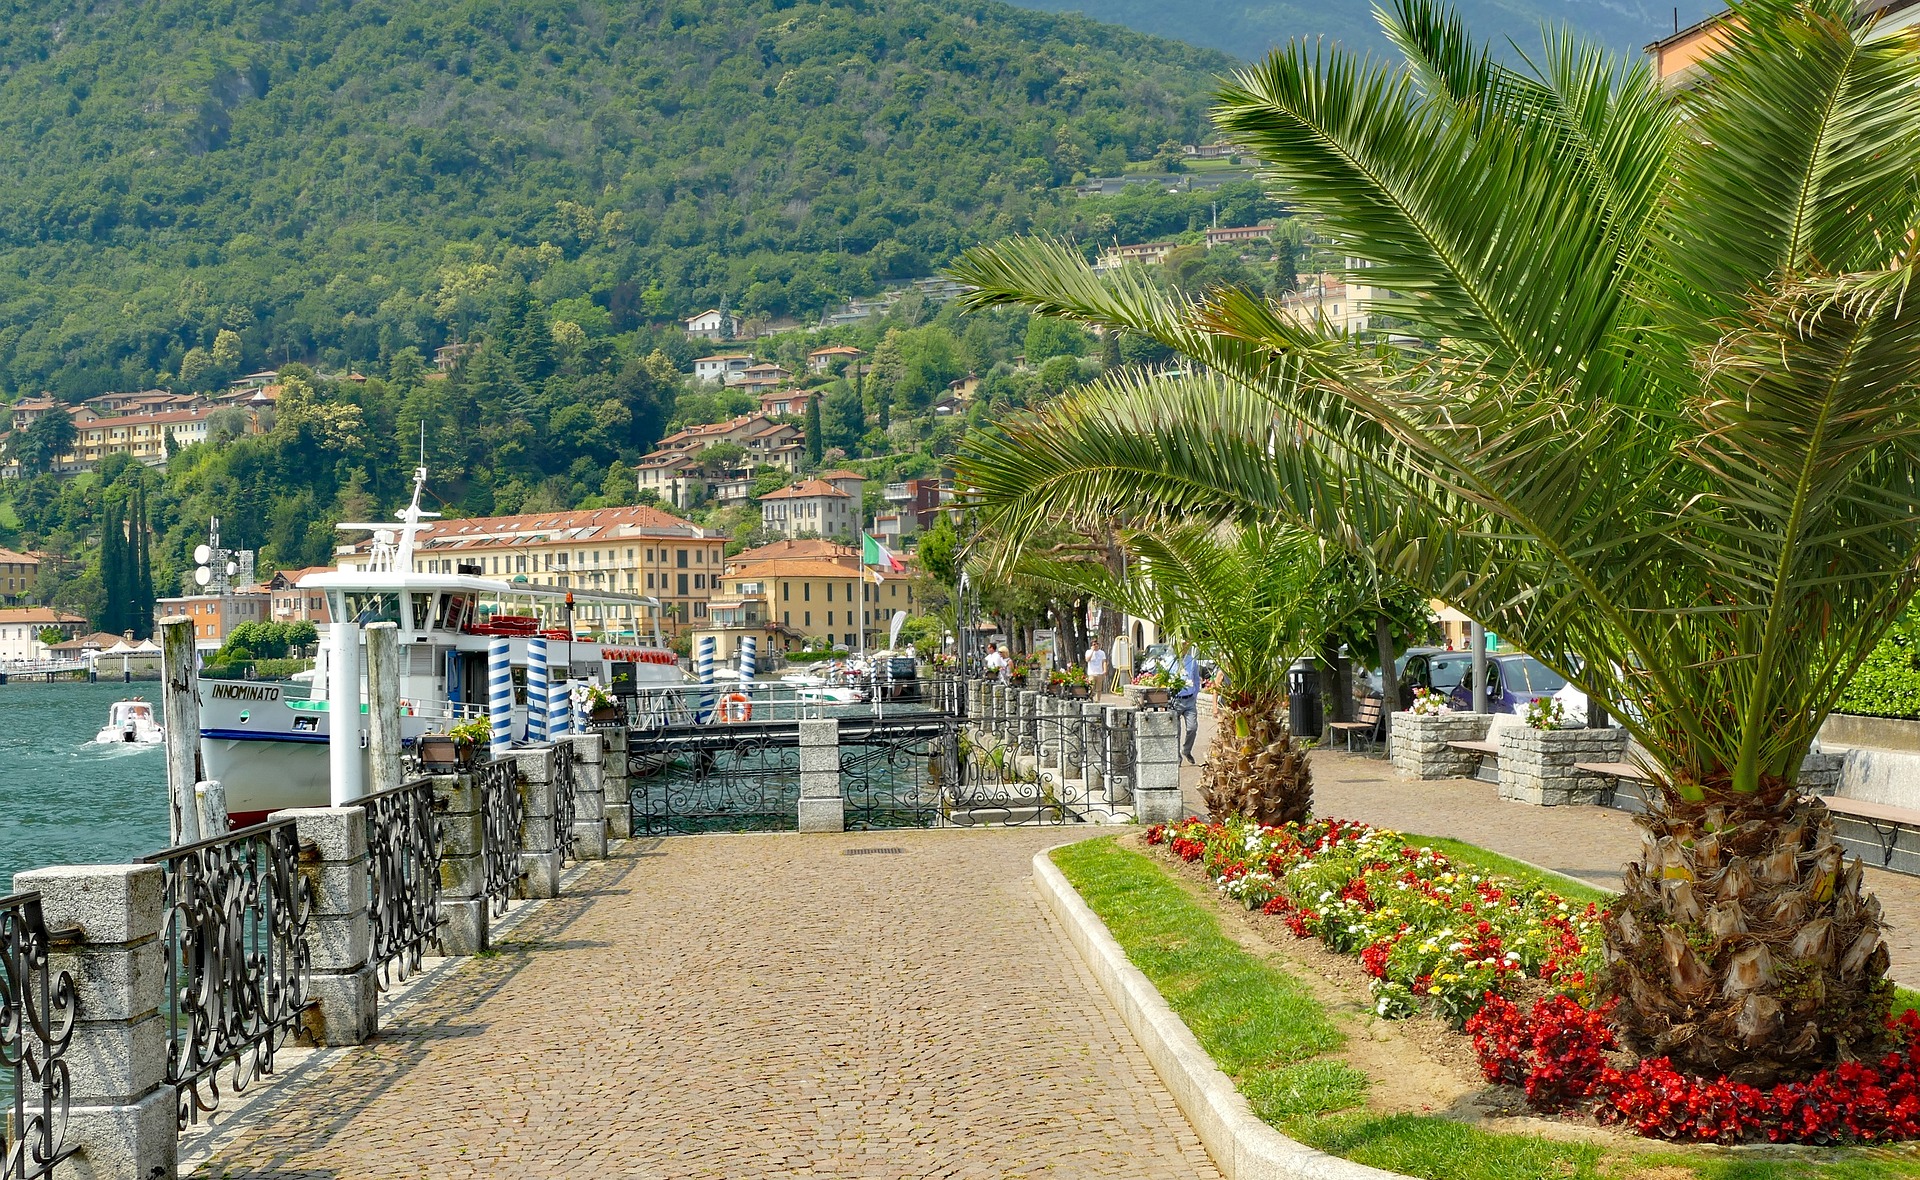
[{"x": 897, "y": 493}]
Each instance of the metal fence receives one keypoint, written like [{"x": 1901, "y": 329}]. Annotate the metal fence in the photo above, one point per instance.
[
  {"x": 237, "y": 964},
  {"x": 1052, "y": 765},
  {"x": 741, "y": 778},
  {"x": 502, "y": 812},
  {"x": 894, "y": 773},
  {"x": 565, "y": 783},
  {"x": 403, "y": 868},
  {"x": 38, "y": 1005}
]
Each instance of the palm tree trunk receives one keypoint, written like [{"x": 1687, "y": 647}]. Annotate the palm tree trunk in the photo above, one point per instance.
[
  {"x": 1254, "y": 770},
  {"x": 1744, "y": 943}
]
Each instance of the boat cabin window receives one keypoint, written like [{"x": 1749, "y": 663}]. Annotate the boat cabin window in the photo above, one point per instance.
[
  {"x": 422, "y": 611},
  {"x": 454, "y": 610},
  {"x": 369, "y": 606}
]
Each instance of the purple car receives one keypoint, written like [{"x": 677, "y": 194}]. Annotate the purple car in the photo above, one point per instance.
[{"x": 1514, "y": 682}]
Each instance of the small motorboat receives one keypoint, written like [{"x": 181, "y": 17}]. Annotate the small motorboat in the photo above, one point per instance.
[{"x": 131, "y": 723}]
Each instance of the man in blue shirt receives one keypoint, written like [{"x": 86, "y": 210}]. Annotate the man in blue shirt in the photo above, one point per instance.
[{"x": 1186, "y": 703}]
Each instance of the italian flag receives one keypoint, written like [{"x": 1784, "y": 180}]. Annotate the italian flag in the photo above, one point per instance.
[{"x": 873, "y": 553}]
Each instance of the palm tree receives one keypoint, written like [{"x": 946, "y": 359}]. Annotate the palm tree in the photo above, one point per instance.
[
  {"x": 1246, "y": 597},
  {"x": 1661, "y": 432}
]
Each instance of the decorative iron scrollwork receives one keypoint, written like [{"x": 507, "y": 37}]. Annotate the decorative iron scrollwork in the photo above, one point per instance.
[
  {"x": 706, "y": 780},
  {"x": 238, "y": 967},
  {"x": 565, "y": 783},
  {"x": 38, "y": 1005},
  {"x": 894, "y": 775},
  {"x": 503, "y": 812},
  {"x": 403, "y": 863}
]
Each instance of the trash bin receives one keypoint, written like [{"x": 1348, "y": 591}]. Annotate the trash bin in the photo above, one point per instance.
[{"x": 1303, "y": 698}]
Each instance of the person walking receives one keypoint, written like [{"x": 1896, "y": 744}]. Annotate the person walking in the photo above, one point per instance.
[
  {"x": 1186, "y": 704},
  {"x": 1096, "y": 666},
  {"x": 997, "y": 663}
]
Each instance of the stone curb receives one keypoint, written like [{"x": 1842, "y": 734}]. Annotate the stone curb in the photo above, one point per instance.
[{"x": 1242, "y": 1147}]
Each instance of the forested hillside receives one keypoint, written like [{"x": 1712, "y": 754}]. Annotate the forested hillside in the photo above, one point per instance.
[
  {"x": 336, "y": 182},
  {"x": 1248, "y": 28}
]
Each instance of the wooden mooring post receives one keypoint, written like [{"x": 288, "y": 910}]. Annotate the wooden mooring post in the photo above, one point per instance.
[
  {"x": 383, "y": 706},
  {"x": 180, "y": 714}
]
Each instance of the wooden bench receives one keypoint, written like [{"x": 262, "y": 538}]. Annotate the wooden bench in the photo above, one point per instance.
[
  {"x": 1886, "y": 821},
  {"x": 1366, "y": 722},
  {"x": 1616, "y": 773}
]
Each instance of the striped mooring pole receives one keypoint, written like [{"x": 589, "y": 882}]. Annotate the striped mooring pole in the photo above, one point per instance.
[
  {"x": 537, "y": 689},
  {"x": 749, "y": 662},
  {"x": 500, "y": 693},
  {"x": 703, "y": 667},
  {"x": 559, "y": 707}
]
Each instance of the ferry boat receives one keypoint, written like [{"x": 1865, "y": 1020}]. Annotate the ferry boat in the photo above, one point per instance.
[
  {"x": 267, "y": 743},
  {"x": 131, "y": 722}
]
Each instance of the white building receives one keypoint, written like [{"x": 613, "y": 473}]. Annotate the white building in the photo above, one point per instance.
[
  {"x": 714, "y": 324},
  {"x": 728, "y": 368},
  {"x": 811, "y": 506},
  {"x": 20, "y": 629}
]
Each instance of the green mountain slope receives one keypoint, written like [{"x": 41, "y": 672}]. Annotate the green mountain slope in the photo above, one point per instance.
[
  {"x": 338, "y": 181},
  {"x": 1248, "y": 28}
]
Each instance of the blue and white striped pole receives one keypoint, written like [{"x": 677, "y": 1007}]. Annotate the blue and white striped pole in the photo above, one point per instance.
[
  {"x": 703, "y": 667},
  {"x": 580, "y": 711},
  {"x": 749, "y": 661},
  {"x": 500, "y": 692},
  {"x": 559, "y": 707},
  {"x": 537, "y": 689}
]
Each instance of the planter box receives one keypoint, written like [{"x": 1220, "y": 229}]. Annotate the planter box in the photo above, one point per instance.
[
  {"x": 440, "y": 754},
  {"x": 1536, "y": 765},
  {"x": 1155, "y": 698},
  {"x": 1418, "y": 743}
]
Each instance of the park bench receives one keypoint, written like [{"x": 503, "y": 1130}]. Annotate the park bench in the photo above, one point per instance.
[
  {"x": 1488, "y": 771},
  {"x": 1366, "y": 723},
  {"x": 1885, "y": 821},
  {"x": 1616, "y": 774}
]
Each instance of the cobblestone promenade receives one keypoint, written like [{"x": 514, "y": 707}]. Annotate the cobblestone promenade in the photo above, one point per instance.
[{"x": 751, "y": 1006}]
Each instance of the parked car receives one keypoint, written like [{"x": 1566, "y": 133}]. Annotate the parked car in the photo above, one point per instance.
[
  {"x": 1514, "y": 681},
  {"x": 1436, "y": 669}
]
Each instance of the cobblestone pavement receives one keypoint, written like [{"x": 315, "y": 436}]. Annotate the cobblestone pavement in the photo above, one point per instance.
[{"x": 752, "y": 1006}]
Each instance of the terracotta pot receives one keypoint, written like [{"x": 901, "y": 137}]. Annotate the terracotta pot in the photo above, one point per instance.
[
  {"x": 606, "y": 715},
  {"x": 441, "y": 754},
  {"x": 1155, "y": 696}
]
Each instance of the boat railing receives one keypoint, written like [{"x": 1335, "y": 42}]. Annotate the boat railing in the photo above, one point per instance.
[
  {"x": 441, "y": 710},
  {"x": 733, "y": 702}
]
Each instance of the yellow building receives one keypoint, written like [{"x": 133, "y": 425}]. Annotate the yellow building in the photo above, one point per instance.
[
  {"x": 801, "y": 593},
  {"x": 17, "y": 574},
  {"x": 637, "y": 550}
]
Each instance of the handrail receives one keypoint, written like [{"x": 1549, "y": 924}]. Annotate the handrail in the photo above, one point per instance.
[{"x": 38, "y": 1006}]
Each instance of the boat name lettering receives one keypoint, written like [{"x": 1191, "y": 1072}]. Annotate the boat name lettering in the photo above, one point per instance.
[{"x": 245, "y": 692}]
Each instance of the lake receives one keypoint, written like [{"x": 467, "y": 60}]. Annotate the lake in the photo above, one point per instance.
[{"x": 64, "y": 800}]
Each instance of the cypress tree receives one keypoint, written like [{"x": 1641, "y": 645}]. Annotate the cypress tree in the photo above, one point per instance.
[
  {"x": 143, "y": 571},
  {"x": 114, "y": 580},
  {"x": 816, "y": 445}
]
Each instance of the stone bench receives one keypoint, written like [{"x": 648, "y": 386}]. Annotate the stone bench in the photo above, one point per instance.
[{"x": 1487, "y": 754}]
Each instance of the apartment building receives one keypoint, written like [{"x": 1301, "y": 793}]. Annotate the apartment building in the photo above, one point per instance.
[
  {"x": 18, "y": 571},
  {"x": 288, "y": 603},
  {"x": 802, "y": 593},
  {"x": 811, "y": 506},
  {"x": 638, "y": 551},
  {"x": 216, "y": 615},
  {"x": 21, "y": 626}
]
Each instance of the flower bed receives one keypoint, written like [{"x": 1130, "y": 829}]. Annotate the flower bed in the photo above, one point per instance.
[{"x": 1467, "y": 946}]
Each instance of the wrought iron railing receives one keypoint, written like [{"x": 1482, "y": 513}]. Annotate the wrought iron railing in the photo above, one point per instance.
[
  {"x": 403, "y": 865},
  {"x": 739, "y": 779},
  {"x": 565, "y": 783},
  {"x": 502, "y": 812},
  {"x": 893, "y": 774},
  {"x": 237, "y": 972},
  {"x": 1054, "y": 765},
  {"x": 38, "y": 1005}
]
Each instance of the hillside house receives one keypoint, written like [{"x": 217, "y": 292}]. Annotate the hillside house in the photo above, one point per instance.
[
  {"x": 822, "y": 360},
  {"x": 1143, "y": 253},
  {"x": 1234, "y": 235},
  {"x": 714, "y": 324},
  {"x": 764, "y": 376},
  {"x": 723, "y": 368},
  {"x": 17, "y": 574},
  {"x": 20, "y": 628},
  {"x": 788, "y": 403},
  {"x": 811, "y": 506}
]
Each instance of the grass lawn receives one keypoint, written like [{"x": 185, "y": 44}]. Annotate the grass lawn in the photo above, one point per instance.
[
  {"x": 9, "y": 519},
  {"x": 1266, "y": 1031}
]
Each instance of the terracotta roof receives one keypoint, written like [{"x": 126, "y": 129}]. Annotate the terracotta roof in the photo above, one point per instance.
[
  {"x": 840, "y": 473},
  {"x": 164, "y": 418},
  {"x": 292, "y": 577},
  {"x": 10, "y": 557},
  {"x": 836, "y": 350},
  {"x": 582, "y": 527},
  {"x": 38, "y": 614},
  {"x": 97, "y": 640},
  {"x": 725, "y": 356},
  {"x": 811, "y": 547},
  {"x": 803, "y": 567},
  {"x": 807, "y": 490}
]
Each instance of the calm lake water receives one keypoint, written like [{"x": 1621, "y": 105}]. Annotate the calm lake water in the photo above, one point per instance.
[{"x": 64, "y": 800}]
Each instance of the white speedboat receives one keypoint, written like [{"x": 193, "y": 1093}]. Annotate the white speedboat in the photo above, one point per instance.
[
  {"x": 131, "y": 723},
  {"x": 268, "y": 743}
]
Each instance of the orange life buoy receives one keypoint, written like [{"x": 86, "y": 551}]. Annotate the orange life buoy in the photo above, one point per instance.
[{"x": 735, "y": 708}]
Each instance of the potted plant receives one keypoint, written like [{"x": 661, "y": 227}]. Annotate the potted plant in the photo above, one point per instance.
[
  {"x": 602, "y": 708},
  {"x": 446, "y": 753},
  {"x": 1158, "y": 686},
  {"x": 1071, "y": 683}
]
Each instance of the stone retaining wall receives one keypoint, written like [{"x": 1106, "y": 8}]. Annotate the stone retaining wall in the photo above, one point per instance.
[
  {"x": 1418, "y": 743},
  {"x": 1536, "y": 765}
]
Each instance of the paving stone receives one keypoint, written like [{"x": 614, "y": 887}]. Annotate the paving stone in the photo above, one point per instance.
[{"x": 746, "y": 1007}]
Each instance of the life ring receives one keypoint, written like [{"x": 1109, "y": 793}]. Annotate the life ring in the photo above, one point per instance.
[{"x": 736, "y": 708}]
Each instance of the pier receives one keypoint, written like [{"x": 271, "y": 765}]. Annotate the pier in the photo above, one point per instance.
[{"x": 27, "y": 671}]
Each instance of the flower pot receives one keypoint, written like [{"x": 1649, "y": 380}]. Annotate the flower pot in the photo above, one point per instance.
[
  {"x": 1078, "y": 692},
  {"x": 1157, "y": 697},
  {"x": 441, "y": 754},
  {"x": 606, "y": 715}
]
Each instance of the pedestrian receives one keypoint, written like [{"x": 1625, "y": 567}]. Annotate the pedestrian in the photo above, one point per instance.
[
  {"x": 997, "y": 664},
  {"x": 1186, "y": 703},
  {"x": 1096, "y": 666}
]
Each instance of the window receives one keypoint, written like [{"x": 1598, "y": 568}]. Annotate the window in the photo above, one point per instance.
[
  {"x": 806, "y": 591},
  {"x": 681, "y": 559},
  {"x": 809, "y": 619},
  {"x": 786, "y": 591},
  {"x": 697, "y": 555},
  {"x": 649, "y": 581},
  {"x": 699, "y": 581},
  {"x": 683, "y": 585}
]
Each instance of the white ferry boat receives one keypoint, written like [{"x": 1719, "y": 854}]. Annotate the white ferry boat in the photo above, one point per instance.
[{"x": 267, "y": 743}]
